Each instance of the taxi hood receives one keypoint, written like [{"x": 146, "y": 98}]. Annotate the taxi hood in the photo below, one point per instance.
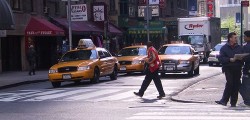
[
  {"x": 131, "y": 58},
  {"x": 73, "y": 63},
  {"x": 175, "y": 57}
]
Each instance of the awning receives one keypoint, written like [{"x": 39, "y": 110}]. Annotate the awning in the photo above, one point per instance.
[
  {"x": 114, "y": 29},
  {"x": 6, "y": 16},
  {"x": 42, "y": 27},
  {"x": 79, "y": 27}
]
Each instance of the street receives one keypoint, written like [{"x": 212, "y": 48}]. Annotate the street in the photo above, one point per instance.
[{"x": 113, "y": 100}]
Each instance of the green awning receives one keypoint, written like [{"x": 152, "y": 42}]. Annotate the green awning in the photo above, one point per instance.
[{"x": 144, "y": 31}]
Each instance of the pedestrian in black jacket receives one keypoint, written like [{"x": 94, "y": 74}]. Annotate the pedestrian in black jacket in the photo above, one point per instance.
[
  {"x": 245, "y": 87},
  {"x": 31, "y": 57},
  {"x": 232, "y": 68}
]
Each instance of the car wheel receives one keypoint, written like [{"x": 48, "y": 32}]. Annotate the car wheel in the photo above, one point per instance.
[
  {"x": 96, "y": 76},
  {"x": 56, "y": 84},
  {"x": 191, "y": 72},
  {"x": 77, "y": 82},
  {"x": 197, "y": 70},
  {"x": 210, "y": 64},
  {"x": 113, "y": 76}
]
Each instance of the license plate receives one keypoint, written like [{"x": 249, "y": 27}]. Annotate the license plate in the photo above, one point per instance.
[
  {"x": 170, "y": 68},
  {"x": 66, "y": 76},
  {"x": 123, "y": 68}
]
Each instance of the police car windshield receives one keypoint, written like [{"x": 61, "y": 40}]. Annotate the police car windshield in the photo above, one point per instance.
[
  {"x": 218, "y": 47},
  {"x": 133, "y": 52},
  {"x": 174, "y": 50},
  {"x": 79, "y": 55}
]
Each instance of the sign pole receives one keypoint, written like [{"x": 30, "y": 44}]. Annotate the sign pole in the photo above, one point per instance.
[
  {"x": 148, "y": 20},
  {"x": 69, "y": 22},
  {"x": 241, "y": 25}
]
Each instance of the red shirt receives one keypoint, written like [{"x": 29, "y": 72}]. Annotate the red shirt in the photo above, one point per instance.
[{"x": 156, "y": 63}]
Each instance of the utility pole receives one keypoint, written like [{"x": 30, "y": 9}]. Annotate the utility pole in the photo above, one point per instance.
[
  {"x": 69, "y": 22},
  {"x": 147, "y": 20}
]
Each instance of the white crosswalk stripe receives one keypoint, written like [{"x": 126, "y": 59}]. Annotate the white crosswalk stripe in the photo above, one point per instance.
[
  {"x": 194, "y": 111},
  {"x": 124, "y": 94}
]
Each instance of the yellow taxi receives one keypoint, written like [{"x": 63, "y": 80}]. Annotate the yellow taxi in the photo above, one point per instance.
[
  {"x": 84, "y": 63},
  {"x": 132, "y": 58},
  {"x": 179, "y": 58}
]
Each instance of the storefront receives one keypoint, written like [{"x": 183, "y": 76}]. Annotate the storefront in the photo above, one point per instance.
[
  {"x": 46, "y": 37},
  {"x": 138, "y": 34}
]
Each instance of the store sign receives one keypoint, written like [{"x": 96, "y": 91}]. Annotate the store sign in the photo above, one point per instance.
[
  {"x": 192, "y": 7},
  {"x": 79, "y": 12},
  {"x": 210, "y": 8},
  {"x": 155, "y": 10},
  {"x": 144, "y": 31},
  {"x": 98, "y": 13},
  {"x": 154, "y": 2}
]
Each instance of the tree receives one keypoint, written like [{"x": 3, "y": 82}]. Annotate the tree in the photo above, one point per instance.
[{"x": 230, "y": 23}]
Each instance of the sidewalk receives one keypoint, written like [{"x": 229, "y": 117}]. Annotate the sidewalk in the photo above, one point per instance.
[
  {"x": 15, "y": 78},
  {"x": 205, "y": 91}
]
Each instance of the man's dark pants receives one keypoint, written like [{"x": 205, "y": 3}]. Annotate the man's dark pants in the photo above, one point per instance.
[
  {"x": 245, "y": 89},
  {"x": 148, "y": 78},
  {"x": 233, "y": 75}
]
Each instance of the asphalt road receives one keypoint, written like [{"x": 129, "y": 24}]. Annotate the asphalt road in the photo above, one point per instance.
[{"x": 107, "y": 100}]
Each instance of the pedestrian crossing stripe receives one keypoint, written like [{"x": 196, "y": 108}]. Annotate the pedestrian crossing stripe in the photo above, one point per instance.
[
  {"x": 86, "y": 94},
  {"x": 193, "y": 111}
]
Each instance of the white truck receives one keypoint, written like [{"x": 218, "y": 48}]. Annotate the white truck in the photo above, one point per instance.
[{"x": 203, "y": 33}]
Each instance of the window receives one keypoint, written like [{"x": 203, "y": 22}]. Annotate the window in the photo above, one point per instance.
[
  {"x": 112, "y": 5},
  {"x": 123, "y": 7},
  {"x": 182, "y": 4},
  {"x": 15, "y": 4}
]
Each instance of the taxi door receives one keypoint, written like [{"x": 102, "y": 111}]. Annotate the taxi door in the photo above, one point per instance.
[
  {"x": 110, "y": 62},
  {"x": 103, "y": 64}
]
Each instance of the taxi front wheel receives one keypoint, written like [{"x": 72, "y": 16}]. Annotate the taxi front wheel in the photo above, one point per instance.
[
  {"x": 56, "y": 84},
  {"x": 96, "y": 76}
]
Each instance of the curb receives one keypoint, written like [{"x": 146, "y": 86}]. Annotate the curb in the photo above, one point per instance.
[
  {"x": 174, "y": 97},
  {"x": 22, "y": 83}
]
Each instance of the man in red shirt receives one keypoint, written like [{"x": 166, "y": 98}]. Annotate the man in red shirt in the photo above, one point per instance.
[{"x": 154, "y": 63}]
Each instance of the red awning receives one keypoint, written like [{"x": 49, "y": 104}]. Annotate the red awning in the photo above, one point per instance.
[
  {"x": 78, "y": 27},
  {"x": 114, "y": 29},
  {"x": 42, "y": 27}
]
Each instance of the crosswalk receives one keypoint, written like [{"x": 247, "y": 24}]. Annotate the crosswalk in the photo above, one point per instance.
[
  {"x": 92, "y": 94},
  {"x": 193, "y": 111}
]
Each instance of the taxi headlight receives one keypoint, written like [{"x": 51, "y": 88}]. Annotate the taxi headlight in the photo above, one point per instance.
[
  {"x": 137, "y": 62},
  {"x": 51, "y": 71},
  {"x": 184, "y": 62},
  {"x": 82, "y": 68}
]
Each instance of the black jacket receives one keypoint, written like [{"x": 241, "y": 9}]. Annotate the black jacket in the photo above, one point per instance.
[
  {"x": 227, "y": 52},
  {"x": 246, "y": 68}
]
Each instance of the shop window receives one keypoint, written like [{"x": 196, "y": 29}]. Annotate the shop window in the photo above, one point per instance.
[
  {"x": 15, "y": 4},
  {"x": 123, "y": 7}
]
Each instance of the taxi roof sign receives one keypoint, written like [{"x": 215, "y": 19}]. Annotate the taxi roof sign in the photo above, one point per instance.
[{"x": 85, "y": 43}]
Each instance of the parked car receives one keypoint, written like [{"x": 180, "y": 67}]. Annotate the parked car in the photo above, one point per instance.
[
  {"x": 132, "y": 58},
  {"x": 84, "y": 63},
  {"x": 179, "y": 58},
  {"x": 215, "y": 52}
]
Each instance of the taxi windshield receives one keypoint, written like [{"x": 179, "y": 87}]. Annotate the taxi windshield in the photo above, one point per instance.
[
  {"x": 79, "y": 55},
  {"x": 133, "y": 52},
  {"x": 173, "y": 50}
]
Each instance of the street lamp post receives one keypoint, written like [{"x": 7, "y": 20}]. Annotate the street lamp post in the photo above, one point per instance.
[
  {"x": 69, "y": 22},
  {"x": 147, "y": 20}
]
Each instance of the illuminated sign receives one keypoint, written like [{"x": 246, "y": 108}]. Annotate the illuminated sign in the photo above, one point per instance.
[
  {"x": 155, "y": 10},
  {"x": 210, "y": 8}
]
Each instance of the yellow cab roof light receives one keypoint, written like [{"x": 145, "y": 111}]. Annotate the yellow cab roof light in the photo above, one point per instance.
[{"x": 85, "y": 43}]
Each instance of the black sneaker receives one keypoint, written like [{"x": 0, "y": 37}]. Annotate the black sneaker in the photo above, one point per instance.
[
  {"x": 221, "y": 103},
  {"x": 233, "y": 105},
  {"x": 160, "y": 96},
  {"x": 137, "y": 94}
]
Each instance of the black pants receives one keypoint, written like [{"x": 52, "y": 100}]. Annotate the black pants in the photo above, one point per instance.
[
  {"x": 233, "y": 75},
  {"x": 32, "y": 67},
  {"x": 245, "y": 88},
  {"x": 148, "y": 78}
]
